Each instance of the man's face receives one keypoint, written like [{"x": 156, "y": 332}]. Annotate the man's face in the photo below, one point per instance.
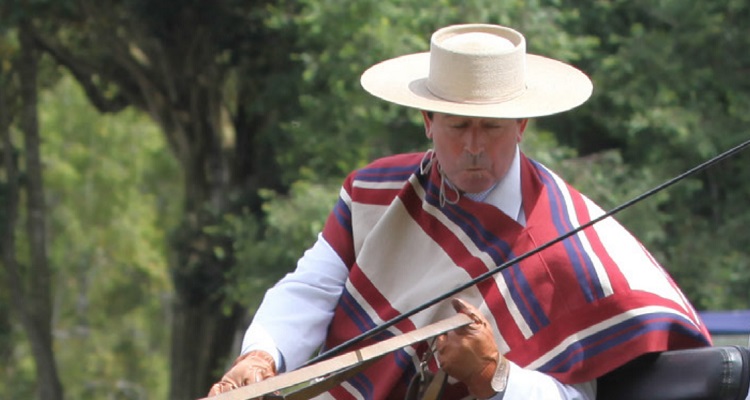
[{"x": 474, "y": 153}]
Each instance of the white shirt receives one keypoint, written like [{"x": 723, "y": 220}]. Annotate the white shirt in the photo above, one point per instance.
[{"x": 303, "y": 302}]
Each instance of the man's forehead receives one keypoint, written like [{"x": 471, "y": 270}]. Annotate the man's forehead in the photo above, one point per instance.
[{"x": 453, "y": 117}]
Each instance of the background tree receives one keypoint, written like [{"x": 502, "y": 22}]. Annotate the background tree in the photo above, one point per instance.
[
  {"x": 181, "y": 62},
  {"x": 108, "y": 188},
  {"x": 111, "y": 191},
  {"x": 28, "y": 276}
]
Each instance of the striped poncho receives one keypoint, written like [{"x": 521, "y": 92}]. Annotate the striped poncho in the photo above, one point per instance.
[{"x": 575, "y": 311}]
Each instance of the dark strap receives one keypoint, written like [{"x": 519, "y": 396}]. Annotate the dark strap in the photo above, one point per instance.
[
  {"x": 426, "y": 386},
  {"x": 435, "y": 388},
  {"x": 709, "y": 373}
]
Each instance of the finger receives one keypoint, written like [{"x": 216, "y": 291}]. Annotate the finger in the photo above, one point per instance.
[
  {"x": 253, "y": 376},
  {"x": 218, "y": 388}
]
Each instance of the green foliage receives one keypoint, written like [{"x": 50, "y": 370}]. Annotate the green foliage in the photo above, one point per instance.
[
  {"x": 109, "y": 208},
  {"x": 19, "y": 366},
  {"x": 292, "y": 224}
]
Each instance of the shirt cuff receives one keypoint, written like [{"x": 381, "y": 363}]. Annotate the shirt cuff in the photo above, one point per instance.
[
  {"x": 500, "y": 380},
  {"x": 256, "y": 338}
]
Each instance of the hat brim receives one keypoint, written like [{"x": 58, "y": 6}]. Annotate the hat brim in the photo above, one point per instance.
[{"x": 551, "y": 87}]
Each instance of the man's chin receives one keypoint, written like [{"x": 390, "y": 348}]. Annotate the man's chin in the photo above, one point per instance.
[{"x": 475, "y": 185}]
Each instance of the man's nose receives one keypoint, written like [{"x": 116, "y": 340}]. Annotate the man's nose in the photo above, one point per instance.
[{"x": 474, "y": 141}]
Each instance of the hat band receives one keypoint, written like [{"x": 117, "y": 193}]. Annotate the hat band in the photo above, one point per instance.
[{"x": 494, "y": 74}]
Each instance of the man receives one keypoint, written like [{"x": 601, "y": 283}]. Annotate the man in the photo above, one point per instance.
[{"x": 412, "y": 226}]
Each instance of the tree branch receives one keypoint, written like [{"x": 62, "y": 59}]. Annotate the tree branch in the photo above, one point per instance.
[{"x": 84, "y": 74}]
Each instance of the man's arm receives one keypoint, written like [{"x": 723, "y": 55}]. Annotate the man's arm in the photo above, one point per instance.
[
  {"x": 291, "y": 322},
  {"x": 294, "y": 315}
]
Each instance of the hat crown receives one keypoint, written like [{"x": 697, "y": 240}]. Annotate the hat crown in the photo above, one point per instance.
[
  {"x": 479, "y": 70},
  {"x": 477, "y": 43},
  {"x": 477, "y": 64}
]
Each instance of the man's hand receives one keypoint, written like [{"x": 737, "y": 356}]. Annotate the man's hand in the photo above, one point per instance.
[
  {"x": 470, "y": 353},
  {"x": 248, "y": 368}
]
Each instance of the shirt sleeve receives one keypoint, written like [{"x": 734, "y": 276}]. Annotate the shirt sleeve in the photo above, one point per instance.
[
  {"x": 292, "y": 321},
  {"x": 532, "y": 385}
]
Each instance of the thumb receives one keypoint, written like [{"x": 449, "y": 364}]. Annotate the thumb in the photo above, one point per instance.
[{"x": 463, "y": 307}]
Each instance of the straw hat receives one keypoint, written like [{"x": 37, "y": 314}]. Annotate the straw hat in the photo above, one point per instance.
[{"x": 479, "y": 70}]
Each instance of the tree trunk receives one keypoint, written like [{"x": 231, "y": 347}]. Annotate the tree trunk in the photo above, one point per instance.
[
  {"x": 201, "y": 337},
  {"x": 179, "y": 79},
  {"x": 32, "y": 299},
  {"x": 203, "y": 324}
]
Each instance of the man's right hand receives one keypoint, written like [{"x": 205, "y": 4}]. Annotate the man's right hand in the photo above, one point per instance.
[
  {"x": 254, "y": 366},
  {"x": 470, "y": 354}
]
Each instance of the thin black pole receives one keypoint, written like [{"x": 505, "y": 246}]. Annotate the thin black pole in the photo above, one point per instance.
[{"x": 337, "y": 349}]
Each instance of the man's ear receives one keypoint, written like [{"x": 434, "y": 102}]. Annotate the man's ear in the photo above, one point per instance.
[
  {"x": 427, "y": 124},
  {"x": 521, "y": 128}
]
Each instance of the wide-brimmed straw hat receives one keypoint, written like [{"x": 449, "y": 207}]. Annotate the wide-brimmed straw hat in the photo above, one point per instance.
[{"x": 479, "y": 70}]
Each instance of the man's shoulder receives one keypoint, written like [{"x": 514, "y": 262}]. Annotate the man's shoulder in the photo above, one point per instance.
[
  {"x": 548, "y": 176},
  {"x": 397, "y": 160},
  {"x": 397, "y": 167}
]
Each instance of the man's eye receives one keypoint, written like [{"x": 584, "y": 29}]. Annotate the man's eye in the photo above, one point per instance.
[{"x": 494, "y": 127}]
